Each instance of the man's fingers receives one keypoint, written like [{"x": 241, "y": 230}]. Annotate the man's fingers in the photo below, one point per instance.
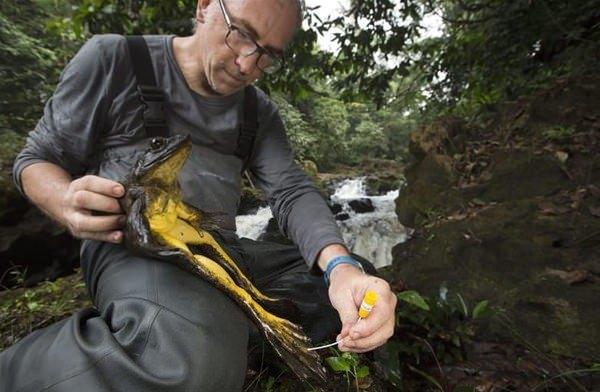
[
  {"x": 83, "y": 223},
  {"x": 379, "y": 315},
  {"x": 372, "y": 341},
  {"x": 88, "y": 200},
  {"x": 100, "y": 185},
  {"x": 106, "y": 236}
]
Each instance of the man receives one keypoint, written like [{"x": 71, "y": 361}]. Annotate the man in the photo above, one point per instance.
[{"x": 156, "y": 327}]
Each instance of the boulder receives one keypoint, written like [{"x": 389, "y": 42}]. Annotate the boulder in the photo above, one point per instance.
[
  {"x": 430, "y": 189},
  {"x": 37, "y": 247},
  {"x": 542, "y": 269},
  {"x": 361, "y": 206}
]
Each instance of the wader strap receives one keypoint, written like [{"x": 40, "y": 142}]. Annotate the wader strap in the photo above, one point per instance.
[
  {"x": 151, "y": 96},
  {"x": 248, "y": 127}
]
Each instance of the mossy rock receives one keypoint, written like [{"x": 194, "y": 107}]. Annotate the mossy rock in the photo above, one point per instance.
[
  {"x": 251, "y": 200},
  {"x": 522, "y": 261},
  {"x": 520, "y": 175},
  {"x": 429, "y": 191},
  {"x": 445, "y": 135}
]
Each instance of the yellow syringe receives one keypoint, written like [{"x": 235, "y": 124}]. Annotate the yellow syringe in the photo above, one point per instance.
[{"x": 367, "y": 304}]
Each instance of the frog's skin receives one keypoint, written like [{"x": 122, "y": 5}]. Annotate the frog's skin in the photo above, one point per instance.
[{"x": 160, "y": 224}]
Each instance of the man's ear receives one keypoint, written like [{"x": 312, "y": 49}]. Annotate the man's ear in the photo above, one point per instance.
[{"x": 201, "y": 10}]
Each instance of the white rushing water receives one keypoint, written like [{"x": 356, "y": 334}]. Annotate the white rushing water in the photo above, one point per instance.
[
  {"x": 252, "y": 226},
  {"x": 369, "y": 234}
]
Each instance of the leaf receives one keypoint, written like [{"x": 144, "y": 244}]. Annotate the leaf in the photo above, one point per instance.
[
  {"x": 362, "y": 372},
  {"x": 480, "y": 308},
  {"x": 413, "y": 298},
  {"x": 338, "y": 364},
  {"x": 351, "y": 358},
  {"x": 463, "y": 305}
]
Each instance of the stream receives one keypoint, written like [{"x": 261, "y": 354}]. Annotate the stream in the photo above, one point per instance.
[{"x": 368, "y": 223}]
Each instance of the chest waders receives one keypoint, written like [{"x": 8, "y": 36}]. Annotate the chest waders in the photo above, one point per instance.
[{"x": 153, "y": 100}]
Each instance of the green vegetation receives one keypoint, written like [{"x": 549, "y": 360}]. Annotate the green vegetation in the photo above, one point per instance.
[
  {"x": 429, "y": 329},
  {"x": 559, "y": 134},
  {"x": 350, "y": 365},
  {"x": 25, "y": 310}
]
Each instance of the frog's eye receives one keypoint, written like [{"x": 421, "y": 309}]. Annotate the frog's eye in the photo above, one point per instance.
[{"x": 157, "y": 143}]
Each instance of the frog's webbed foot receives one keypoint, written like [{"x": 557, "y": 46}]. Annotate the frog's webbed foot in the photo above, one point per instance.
[{"x": 292, "y": 344}]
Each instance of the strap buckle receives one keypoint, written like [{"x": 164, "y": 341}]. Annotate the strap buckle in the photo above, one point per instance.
[{"x": 153, "y": 99}]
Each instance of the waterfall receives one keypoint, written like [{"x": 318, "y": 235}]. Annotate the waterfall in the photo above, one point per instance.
[
  {"x": 372, "y": 234},
  {"x": 252, "y": 226},
  {"x": 368, "y": 223}
]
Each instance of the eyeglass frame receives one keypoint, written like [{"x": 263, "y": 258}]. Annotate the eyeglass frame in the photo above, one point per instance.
[{"x": 276, "y": 59}]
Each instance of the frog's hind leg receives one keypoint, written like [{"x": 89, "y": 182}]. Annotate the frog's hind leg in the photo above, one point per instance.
[
  {"x": 206, "y": 244},
  {"x": 287, "y": 338},
  {"x": 282, "y": 307}
]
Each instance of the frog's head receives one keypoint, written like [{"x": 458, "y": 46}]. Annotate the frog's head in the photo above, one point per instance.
[{"x": 161, "y": 163}]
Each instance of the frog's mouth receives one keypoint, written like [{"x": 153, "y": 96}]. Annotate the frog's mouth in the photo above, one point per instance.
[{"x": 163, "y": 161}]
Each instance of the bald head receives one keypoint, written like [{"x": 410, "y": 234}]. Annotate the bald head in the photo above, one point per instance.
[{"x": 298, "y": 7}]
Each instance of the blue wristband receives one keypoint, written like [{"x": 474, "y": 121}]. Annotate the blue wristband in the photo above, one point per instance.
[{"x": 340, "y": 260}]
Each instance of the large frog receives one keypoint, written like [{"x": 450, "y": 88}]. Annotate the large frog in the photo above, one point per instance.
[{"x": 160, "y": 224}]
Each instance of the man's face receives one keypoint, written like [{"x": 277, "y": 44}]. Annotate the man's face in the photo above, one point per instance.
[{"x": 271, "y": 23}]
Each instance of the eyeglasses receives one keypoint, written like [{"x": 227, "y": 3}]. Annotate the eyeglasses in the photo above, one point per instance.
[{"x": 244, "y": 45}]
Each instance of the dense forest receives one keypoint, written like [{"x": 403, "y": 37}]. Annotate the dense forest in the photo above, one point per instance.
[{"x": 493, "y": 126}]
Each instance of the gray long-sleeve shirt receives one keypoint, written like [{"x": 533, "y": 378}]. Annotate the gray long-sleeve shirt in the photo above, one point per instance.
[{"x": 93, "y": 124}]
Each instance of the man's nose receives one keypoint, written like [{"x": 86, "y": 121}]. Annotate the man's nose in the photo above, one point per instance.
[{"x": 247, "y": 64}]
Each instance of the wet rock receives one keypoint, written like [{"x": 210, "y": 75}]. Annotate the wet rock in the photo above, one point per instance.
[
  {"x": 361, "y": 206},
  {"x": 342, "y": 217},
  {"x": 335, "y": 208},
  {"x": 430, "y": 188},
  {"x": 37, "y": 246},
  {"x": 251, "y": 200},
  {"x": 447, "y": 134}
]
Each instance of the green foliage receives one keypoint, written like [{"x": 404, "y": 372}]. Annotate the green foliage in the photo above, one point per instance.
[
  {"x": 429, "y": 329},
  {"x": 328, "y": 131},
  {"x": 10, "y": 144},
  {"x": 33, "y": 55},
  {"x": 302, "y": 135},
  {"x": 24, "y": 70},
  {"x": 24, "y": 310},
  {"x": 330, "y": 117},
  {"x": 495, "y": 50},
  {"x": 350, "y": 365},
  {"x": 559, "y": 133}
]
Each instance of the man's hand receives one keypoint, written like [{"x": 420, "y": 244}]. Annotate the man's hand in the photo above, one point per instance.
[
  {"x": 346, "y": 291},
  {"x": 90, "y": 194}
]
